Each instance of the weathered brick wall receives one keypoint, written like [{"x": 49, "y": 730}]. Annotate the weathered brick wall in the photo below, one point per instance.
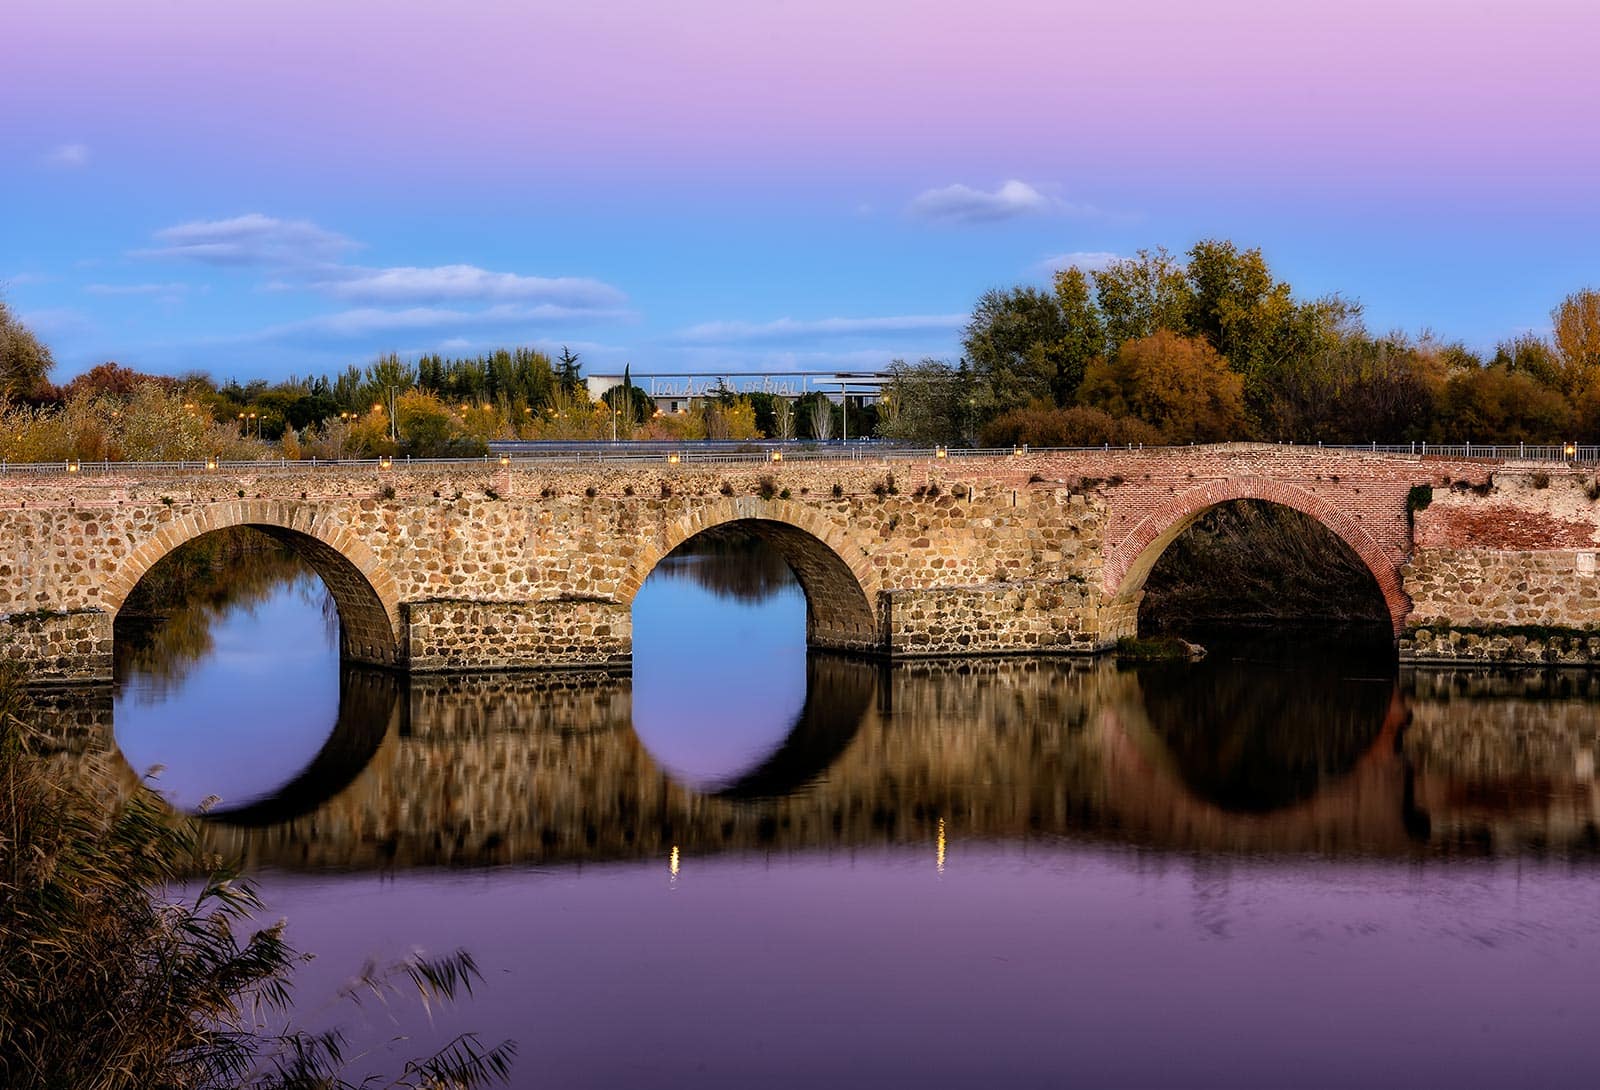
[{"x": 1505, "y": 572}]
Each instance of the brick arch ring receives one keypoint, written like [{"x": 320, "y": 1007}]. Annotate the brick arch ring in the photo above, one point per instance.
[
  {"x": 840, "y": 582},
  {"x": 1131, "y": 561},
  {"x": 364, "y": 592}
]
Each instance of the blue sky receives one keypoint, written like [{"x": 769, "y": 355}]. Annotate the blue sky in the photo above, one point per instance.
[{"x": 272, "y": 189}]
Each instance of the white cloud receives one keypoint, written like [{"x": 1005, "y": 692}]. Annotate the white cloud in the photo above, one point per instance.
[
  {"x": 447, "y": 283},
  {"x": 67, "y": 156},
  {"x": 251, "y": 239},
  {"x": 793, "y": 328},
  {"x": 1087, "y": 260},
  {"x": 962, "y": 204},
  {"x": 176, "y": 288}
]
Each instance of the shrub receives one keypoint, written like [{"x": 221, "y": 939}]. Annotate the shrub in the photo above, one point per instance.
[
  {"x": 109, "y": 979},
  {"x": 1044, "y": 425}
]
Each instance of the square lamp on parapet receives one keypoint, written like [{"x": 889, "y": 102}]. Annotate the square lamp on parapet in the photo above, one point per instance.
[
  {"x": 1570, "y": 450},
  {"x": 211, "y": 463},
  {"x": 505, "y": 459},
  {"x": 774, "y": 455},
  {"x": 386, "y": 462},
  {"x": 72, "y": 465},
  {"x": 674, "y": 458},
  {"x": 940, "y": 452}
]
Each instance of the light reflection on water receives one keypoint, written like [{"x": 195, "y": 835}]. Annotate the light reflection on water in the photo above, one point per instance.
[{"x": 751, "y": 866}]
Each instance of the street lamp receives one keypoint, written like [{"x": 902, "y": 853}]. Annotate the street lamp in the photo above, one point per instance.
[{"x": 1570, "y": 450}]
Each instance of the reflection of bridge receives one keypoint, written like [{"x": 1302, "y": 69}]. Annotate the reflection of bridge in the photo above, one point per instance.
[
  {"x": 487, "y": 566},
  {"x": 473, "y": 770}
]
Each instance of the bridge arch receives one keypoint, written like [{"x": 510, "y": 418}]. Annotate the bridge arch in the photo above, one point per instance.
[
  {"x": 1132, "y": 559},
  {"x": 366, "y": 595},
  {"x": 841, "y": 586}
]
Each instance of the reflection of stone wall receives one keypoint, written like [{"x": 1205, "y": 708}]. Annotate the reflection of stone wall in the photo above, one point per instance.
[
  {"x": 545, "y": 768},
  {"x": 1504, "y": 760}
]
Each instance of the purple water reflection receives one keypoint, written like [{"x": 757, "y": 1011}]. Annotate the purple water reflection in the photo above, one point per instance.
[{"x": 1046, "y": 965}]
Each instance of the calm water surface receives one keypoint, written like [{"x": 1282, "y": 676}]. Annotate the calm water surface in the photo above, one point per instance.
[{"x": 1289, "y": 865}]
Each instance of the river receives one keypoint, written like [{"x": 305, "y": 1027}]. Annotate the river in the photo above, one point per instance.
[{"x": 1290, "y": 864}]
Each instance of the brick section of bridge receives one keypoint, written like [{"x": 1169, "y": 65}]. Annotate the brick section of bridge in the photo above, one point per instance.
[{"x": 468, "y": 567}]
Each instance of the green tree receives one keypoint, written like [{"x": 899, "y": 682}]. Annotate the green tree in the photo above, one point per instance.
[
  {"x": 1017, "y": 344},
  {"x": 1084, "y": 330},
  {"x": 1141, "y": 294},
  {"x": 925, "y": 403},
  {"x": 568, "y": 371},
  {"x": 25, "y": 362}
]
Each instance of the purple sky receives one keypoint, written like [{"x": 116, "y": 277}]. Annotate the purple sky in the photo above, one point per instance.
[{"x": 266, "y": 188}]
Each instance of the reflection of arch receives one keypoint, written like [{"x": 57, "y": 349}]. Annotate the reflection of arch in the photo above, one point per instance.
[
  {"x": 369, "y": 701},
  {"x": 1129, "y": 564},
  {"x": 839, "y": 581},
  {"x": 1365, "y": 809},
  {"x": 838, "y": 693},
  {"x": 366, "y": 595}
]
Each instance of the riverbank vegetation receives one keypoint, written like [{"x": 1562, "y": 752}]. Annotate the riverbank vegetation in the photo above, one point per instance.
[{"x": 128, "y": 959}]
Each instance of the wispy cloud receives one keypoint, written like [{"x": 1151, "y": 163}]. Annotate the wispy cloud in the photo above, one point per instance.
[
  {"x": 963, "y": 204},
  {"x": 796, "y": 328},
  {"x": 459, "y": 283},
  {"x": 175, "y": 288},
  {"x": 56, "y": 321},
  {"x": 66, "y": 156},
  {"x": 251, "y": 239},
  {"x": 365, "y": 322},
  {"x": 1087, "y": 260}
]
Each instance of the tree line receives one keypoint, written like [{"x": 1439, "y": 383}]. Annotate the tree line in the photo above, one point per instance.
[
  {"x": 1148, "y": 349},
  {"x": 1155, "y": 349}
]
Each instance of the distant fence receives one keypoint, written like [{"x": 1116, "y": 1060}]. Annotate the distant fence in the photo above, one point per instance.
[{"x": 519, "y": 453}]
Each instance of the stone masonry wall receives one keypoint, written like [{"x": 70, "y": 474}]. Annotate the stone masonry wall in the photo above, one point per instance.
[
  {"x": 488, "y": 561},
  {"x": 1037, "y": 616},
  {"x": 467, "y": 635}
]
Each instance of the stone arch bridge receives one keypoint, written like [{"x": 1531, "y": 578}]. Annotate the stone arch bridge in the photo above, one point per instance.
[{"x": 488, "y": 566}]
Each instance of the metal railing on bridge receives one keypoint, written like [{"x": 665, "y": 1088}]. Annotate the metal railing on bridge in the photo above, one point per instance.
[{"x": 527, "y": 454}]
